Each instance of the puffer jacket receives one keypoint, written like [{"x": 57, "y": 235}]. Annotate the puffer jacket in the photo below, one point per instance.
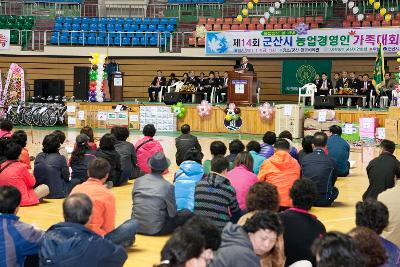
[
  {"x": 114, "y": 159},
  {"x": 186, "y": 178},
  {"x": 71, "y": 244},
  {"x": 146, "y": 151}
]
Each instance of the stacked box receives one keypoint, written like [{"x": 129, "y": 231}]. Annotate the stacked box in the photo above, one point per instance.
[
  {"x": 160, "y": 116},
  {"x": 351, "y": 131},
  {"x": 392, "y": 130},
  {"x": 291, "y": 118},
  {"x": 368, "y": 129},
  {"x": 134, "y": 120}
]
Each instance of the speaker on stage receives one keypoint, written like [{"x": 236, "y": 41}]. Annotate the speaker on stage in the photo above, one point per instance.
[
  {"x": 172, "y": 98},
  {"x": 324, "y": 102},
  {"x": 81, "y": 83},
  {"x": 46, "y": 87}
]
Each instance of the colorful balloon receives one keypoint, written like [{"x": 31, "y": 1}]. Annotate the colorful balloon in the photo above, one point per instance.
[
  {"x": 250, "y": 5},
  {"x": 239, "y": 18},
  {"x": 377, "y": 5},
  {"x": 388, "y": 17},
  {"x": 382, "y": 11},
  {"x": 371, "y": 1},
  {"x": 245, "y": 12}
]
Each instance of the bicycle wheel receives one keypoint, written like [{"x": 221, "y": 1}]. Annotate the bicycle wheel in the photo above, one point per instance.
[
  {"x": 28, "y": 116},
  {"x": 12, "y": 115},
  {"x": 49, "y": 117},
  {"x": 37, "y": 117},
  {"x": 20, "y": 116}
]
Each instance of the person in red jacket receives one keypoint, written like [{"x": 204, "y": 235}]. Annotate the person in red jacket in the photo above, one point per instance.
[
  {"x": 15, "y": 173},
  {"x": 147, "y": 147}
]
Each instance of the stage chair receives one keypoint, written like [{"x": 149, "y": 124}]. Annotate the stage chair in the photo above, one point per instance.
[
  {"x": 243, "y": 27},
  {"x": 383, "y": 101},
  {"x": 202, "y": 21},
  {"x": 376, "y": 23},
  {"x": 252, "y": 27},
  {"x": 386, "y": 23},
  {"x": 282, "y": 20},
  {"x": 291, "y": 20},
  {"x": 219, "y": 21},
  {"x": 258, "y": 91},
  {"x": 226, "y": 27},
  {"x": 213, "y": 95},
  {"x": 346, "y": 24},
  {"x": 273, "y": 20},
  {"x": 160, "y": 94},
  {"x": 395, "y": 22},
  {"x": 378, "y": 17},
  {"x": 310, "y": 90},
  {"x": 228, "y": 20},
  {"x": 372, "y": 100},
  {"x": 246, "y": 21}
]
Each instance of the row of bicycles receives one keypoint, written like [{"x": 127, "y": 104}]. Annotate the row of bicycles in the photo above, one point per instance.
[{"x": 42, "y": 111}]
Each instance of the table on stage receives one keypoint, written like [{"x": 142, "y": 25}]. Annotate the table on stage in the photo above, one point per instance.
[{"x": 348, "y": 104}]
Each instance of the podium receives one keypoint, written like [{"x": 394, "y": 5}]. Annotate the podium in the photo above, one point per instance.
[
  {"x": 117, "y": 86},
  {"x": 242, "y": 87}
]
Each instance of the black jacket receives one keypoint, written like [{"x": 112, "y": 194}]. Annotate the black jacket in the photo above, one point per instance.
[
  {"x": 202, "y": 82},
  {"x": 162, "y": 83},
  {"x": 211, "y": 83},
  {"x": 114, "y": 159},
  {"x": 249, "y": 66},
  {"x": 183, "y": 144},
  {"x": 172, "y": 81},
  {"x": 341, "y": 82},
  {"x": 382, "y": 172},
  {"x": 370, "y": 87},
  {"x": 193, "y": 80},
  {"x": 328, "y": 84},
  {"x": 71, "y": 244}
]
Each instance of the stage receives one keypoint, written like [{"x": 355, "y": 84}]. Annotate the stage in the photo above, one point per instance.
[{"x": 214, "y": 123}]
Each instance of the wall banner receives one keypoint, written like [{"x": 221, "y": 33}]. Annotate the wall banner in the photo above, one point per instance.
[{"x": 318, "y": 42}]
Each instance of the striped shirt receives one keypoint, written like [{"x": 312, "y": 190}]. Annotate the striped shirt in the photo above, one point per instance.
[{"x": 215, "y": 199}]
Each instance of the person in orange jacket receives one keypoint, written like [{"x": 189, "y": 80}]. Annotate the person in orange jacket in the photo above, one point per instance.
[{"x": 281, "y": 170}]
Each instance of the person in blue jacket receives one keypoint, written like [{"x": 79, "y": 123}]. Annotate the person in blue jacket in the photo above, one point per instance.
[
  {"x": 339, "y": 150},
  {"x": 186, "y": 177}
]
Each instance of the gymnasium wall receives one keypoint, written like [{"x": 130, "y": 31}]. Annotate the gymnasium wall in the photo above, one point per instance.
[{"x": 140, "y": 71}]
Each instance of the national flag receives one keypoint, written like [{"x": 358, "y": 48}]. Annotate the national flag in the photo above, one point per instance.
[{"x": 379, "y": 69}]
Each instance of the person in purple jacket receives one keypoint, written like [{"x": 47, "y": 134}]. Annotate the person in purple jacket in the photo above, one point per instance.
[{"x": 267, "y": 148}]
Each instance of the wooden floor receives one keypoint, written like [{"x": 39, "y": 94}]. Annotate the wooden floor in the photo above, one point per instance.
[{"x": 146, "y": 250}]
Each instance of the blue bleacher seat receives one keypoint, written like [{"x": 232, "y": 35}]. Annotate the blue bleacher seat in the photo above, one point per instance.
[
  {"x": 85, "y": 20},
  {"x": 161, "y": 28},
  {"x": 146, "y": 21},
  {"x": 126, "y": 41},
  {"x": 112, "y": 20},
  {"x": 103, "y": 20},
  {"x": 155, "y": 21},
  {"x": 75, "y": 34},
  {"x": 152, "y": 28},
  {"x": 91, "y": 41},
  {"x": 153, "y": 41},
  {"x": 91, "y": 34},
  {"x": 102, "y": 27},
  {"x": 64, "y": 40},
  {"x": 130, "y": 35},
  {"x": 102, "y": 34},
  {"x": 135, "y": 27},
  {"x": 128, "y": 27},
  {"x": 143, "y": 28},
  {"x": 129, "y": 21},
  {"x": 76, "y": 27},
  {"x": 170, "y": 28},
  {"x": 54, "y": 39},
  {"x": 112, "y": 34},
  {"x": 120, "y": 21},
  {"x": 164, "y": 21},
  {"x": 163, "y": 41},
  {"x": 66, "y": 27},
  {"x": 85, "y": 27},
  {"x": 82, "y": 40},
  {"x": 76, "y": 20},
  {"x": 135, "y": 41},
  {"x": 119, "y": 28},
  {"x": 74, "y": 40},
  {"x": 68, "y": 20},
  {"x": 138, "y": 21},
  {"x": 173, "y": 21},
  {"x": 94, "y": 20},
  {"x": 139, "y": 35},
  {"x": 100, "y": 41},
  {"x": 58, "y": 27},
  {"x": 117, "y": 41},
  {"x": 59, "y": 19},
  {"x": 93, "y": 27},
  {"x": 65, "y": 34},
  {"x": 110, "y": 27}
]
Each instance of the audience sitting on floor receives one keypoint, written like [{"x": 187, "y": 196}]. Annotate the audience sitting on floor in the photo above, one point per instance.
[
  {"x": 391, "y": 199},
  {"x": 235, "y": 147},
  {"x": 264, "y": 196},
  {"x": 71, "y": 243},
  {"x": 217, "y": 148},
  {"x": 80, "y": 158},
  {"x": 102, "y": 220},
  {"x": 184, "y": 143},
  {"x": 288, "y": 136},
  {"x": 89, "y": 132},
  {"x": 154, "y": 204},
  {"x": 382, "y": 170},
  {"x": 337, "y": 249},
  {"x": 6, "y": 127},
  {"x": 21, "y": 139},
  {"x": 15, "y": 173},
  {"x": 254, "y": 148},
  {"x": 62, "y": 150},
  {"x": 267, "y": 148},
  {"x": 20, "y": 241},
  {"x": 339, "y": 150},
  {"x": 306, "y": 144},
  {"x": 243, "y": 245},
  {"x": 242, "y": 177},
  {"x": 127, "y": 153},
  {"x": 107, "y": 151},
  {"x": 301, "y": 228},
  {"x": 370, "y": 246},
  {"x": 190, "y": 172},
  {"x": 375, "y": 216},
  {"x": 51, "y": 168},
  {"x": 322, "y": 170},
  {"x": 215, "y": 198},
  {"x": 281, "y": 170},
  {"x": 146, "y": 147}
]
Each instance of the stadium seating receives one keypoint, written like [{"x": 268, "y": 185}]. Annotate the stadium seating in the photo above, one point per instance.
[
  {"x": 112, "y": 31},
  {"x": 16, "y": 24},
  {"x": 371, "y": 20},
  {"x": 196, "y": 1}
]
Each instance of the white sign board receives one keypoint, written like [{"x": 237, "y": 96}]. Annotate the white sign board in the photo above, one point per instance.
[
  {"x": 322, "y": 116},
  {"x": 4, "y": 39},
  {"x": 117, "y": 81}
]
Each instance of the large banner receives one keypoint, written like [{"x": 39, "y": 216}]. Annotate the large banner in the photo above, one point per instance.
[
  {"x": 4, "y": 39},
  {"x": 318, "y": 42},
  {"x": 296, "y": 73}
]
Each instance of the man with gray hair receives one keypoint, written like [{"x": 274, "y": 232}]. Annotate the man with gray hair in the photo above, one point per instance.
[{"x": 70, "y": 243}]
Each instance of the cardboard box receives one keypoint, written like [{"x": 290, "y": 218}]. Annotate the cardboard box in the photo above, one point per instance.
[
  {"x": 392, "y": 130},
  {"x": 330, "y": 114},
  {"x": 133, "y": 120},
  {"x": 72, "y": 109},
  {"x": 351, "y": 131},
  {"x": 394, "y": 113},
  {"x": 368, "y": 125},
  {"x": 291, "y": 118}
]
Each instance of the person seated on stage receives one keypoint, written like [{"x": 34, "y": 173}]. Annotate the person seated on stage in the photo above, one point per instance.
[
  {"x": 147, "y": 147},
  {"x": 102, "y": 220},
  {"x": 267, "y": 148},
  {"x": 235, "y": 147},
  {"x": 107, "y": 151},
  {"x": 185, "y": 79},
  {"x": 306, "y": 144},
  {"x": 214, "y": 197},
  {"x": 281, "y": 170},
  {"x": 343, "y": 82},
  {"x": 322, "y": 170},
  {"x": 156, "y": 85},
  {"x": 192, "y": 78},
  {"x": 300, "y": 224},
  {"x": 245, "y": 65},
  {"x": 223, "y": 87},
  {"x": 375, "y": 216},
  {"x": 201, "y": 81},
  {"x": 316, "y": 80},
  {"x": 86, "y": 247},
  {"x": 89, "y": 132},
  {"x": 339, "y": 150},
  {"x": 366, "y": 89},
  {"x": 254, "y": 148},
  {"x": 382, "y": 171},
  {"x": 335, "y": 79},
  {"x": 6, "y": 127},
  {"x": 217, "y": 148},
  {"x": 16, "y": 173},
  {"x": 288, "y": 136},
  {"x": 324, "y": 86},
  {"x": 126, "y": 151},
  {"x": 52, "y": 169},
  {"x": 210, "y": 84},
  {"x": 389, "y": 86},
  {"x": 154, "y": 204},
  {"x": 62, "y": 150},
  {"x": 354, "y": 82},
  {"x": 184, "y": 143},
  {"x": 171, "y": 83},
  {"x": 20, "y": 241},
  {"x": 21, "y": 138}
]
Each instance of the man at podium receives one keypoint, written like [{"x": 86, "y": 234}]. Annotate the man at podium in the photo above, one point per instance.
[{"x": 245, "y": 65}]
